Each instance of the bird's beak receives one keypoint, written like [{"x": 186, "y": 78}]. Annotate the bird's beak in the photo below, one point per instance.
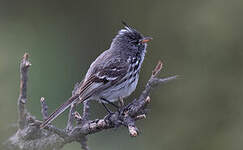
[{"x": 146, "y": 39}]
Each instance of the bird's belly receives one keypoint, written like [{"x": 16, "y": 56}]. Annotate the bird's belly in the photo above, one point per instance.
[{"x": 123, "y": 90}]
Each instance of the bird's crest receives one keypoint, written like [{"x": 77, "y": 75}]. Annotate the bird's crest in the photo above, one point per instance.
[{"x": 129, "y": 32}]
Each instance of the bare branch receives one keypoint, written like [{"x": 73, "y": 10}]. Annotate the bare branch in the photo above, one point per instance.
[
  {"x": 130, "y": 123},
  {"x": 30, "y": 136},
  {"x": 157, "y": 69},
  {"x": 70, "y": 122},
  {"x": 164, "y": 80},
  {"x": 133, "y": 130},
  {"x": 44, "y": 108},
  {"x": 78, "y": 117},
  {"x": 140, "y": 117},
  {"x": 86, "y": 108},
  {"x": 76, "y": 87},
  {"x": 71, "y": 115},
  {"x": 24, "y": 67},
  {"x": 83, "y": 140},
  {"x": 84, "y": 143}
]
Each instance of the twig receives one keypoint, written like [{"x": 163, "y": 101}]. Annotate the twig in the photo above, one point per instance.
[
  {"x": 44, "y": 108},
  {"x": 78, "y": 118},
  {"x": 71, "y": 115},
  {"x": 130, "y": 123},
  {"x": 86, "y": 109},
  {"x": 24, "y": 65},
  {"x": 157, "y": 69},
  {"x": 82, "y": 139},
  {"x": 164, "y": 80},
  {"x": 70, "y": 122},
  {"x": 140, "y": 117},
  {"x": 84, "y": 143},
  {"x": 76, "y": 87}
]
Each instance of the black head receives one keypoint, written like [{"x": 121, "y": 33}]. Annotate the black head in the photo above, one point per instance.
[{"x": 130, "y": 39}]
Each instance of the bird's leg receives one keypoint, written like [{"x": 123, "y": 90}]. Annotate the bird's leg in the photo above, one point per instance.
[
  {"x": 114, "y": 105},
  {"x": 107, "y": 109}
]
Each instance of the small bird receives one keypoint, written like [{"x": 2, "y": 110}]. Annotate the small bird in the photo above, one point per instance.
[{"x": 114, "y": 74}]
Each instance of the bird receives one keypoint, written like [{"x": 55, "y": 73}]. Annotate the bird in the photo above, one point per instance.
[{"x": 113, "y": 75}]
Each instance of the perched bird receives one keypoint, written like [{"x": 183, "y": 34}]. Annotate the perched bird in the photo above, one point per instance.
[{"x": 114, "y": 74}]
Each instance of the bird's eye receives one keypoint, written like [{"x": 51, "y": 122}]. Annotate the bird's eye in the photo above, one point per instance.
[
  {"x": 135, "y": 42},
  {"x": 138, "y": 42}
]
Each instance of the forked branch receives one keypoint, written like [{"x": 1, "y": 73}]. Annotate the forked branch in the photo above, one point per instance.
[{"x": 30, "y": 136}]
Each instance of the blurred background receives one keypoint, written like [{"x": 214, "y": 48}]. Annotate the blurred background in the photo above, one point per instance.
[{"x": 199, "y": 40}]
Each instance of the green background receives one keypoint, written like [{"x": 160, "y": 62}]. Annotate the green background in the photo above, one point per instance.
[{"x": 200, "y": 40}]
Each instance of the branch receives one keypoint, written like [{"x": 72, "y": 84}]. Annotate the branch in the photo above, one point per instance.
[
  {"x": 30, "y": 136},
  {"x": 44, "y": 108},
  {"x": 70, "y": 122},
  {"x": 71, "y": 117},
  {"x": 86, "y": 109},
  {"x": 24, "y": 67},
  {"x": 126, "y": 115}
]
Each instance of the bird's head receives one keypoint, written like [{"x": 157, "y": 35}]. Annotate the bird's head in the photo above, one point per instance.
[{"x": 130, "y": 39}]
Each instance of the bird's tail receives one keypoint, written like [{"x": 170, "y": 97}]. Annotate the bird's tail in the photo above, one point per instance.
[{"x": 59, "y": 110}]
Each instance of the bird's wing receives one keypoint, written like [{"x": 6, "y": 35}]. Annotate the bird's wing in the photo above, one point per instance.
[{"x": 103, "y": 77}]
